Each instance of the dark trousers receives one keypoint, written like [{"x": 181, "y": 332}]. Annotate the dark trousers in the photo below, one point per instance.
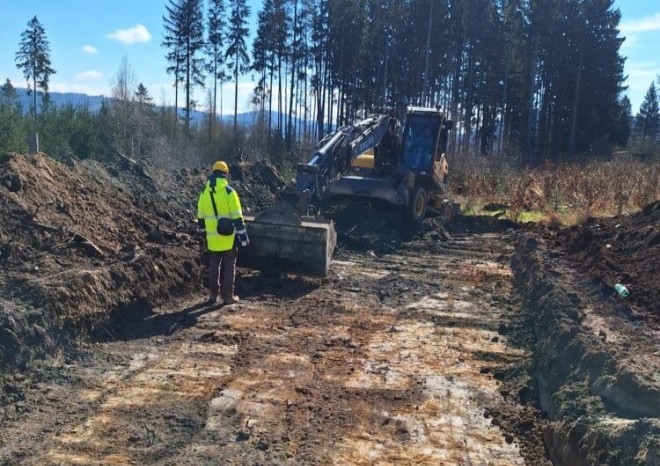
[{"x": 228, "y": 260}]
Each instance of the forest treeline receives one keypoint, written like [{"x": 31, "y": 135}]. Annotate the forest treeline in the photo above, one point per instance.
[{"x": 541, "y": 80}]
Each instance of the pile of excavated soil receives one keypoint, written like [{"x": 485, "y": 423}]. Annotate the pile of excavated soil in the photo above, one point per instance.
[
  {"x": 596, "y": 360},
  {"x": 80, "y": 239},
  {"x": 379, "y": 227},
  {"x": 77, "y": 240},
  {"x": 622, "y": 250},
  {"x": 370, "y": 226},
  {"x": 257, "y": 185}
]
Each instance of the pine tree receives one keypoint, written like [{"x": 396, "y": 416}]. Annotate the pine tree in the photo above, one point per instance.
[
  {"x": 307, "y": 16},
  {"x": 33, "y": 58},
  {"x": 216, "y": 31},
  {"x": 192, "y": 38},
  {"x": 621, "y": 129},
  {"x": 263, "y": 53},
  {"x": 515, "y": 72},
  {"x": 647, "y": 121},
  {"x": 145, "y": 127},
  {"x": 142, "y": 96},
  {"x": 601, "y": 74},
  {"x": 173, "y": 43},
  {"x": 8, "y": 95},
  {"x": 320, "y": 51},
  {"x": 346, "y": 26},
  {"x": 575, "y": 77},
  {"x": 236, "y": 48},
  {"x": 184, "y": 39},
  {"x": 295, "y": 57},
  {"x": 280, "y": 28},
  {"x": 10, "y": 116}
]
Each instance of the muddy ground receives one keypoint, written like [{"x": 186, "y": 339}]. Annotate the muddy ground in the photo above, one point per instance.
[{"x": 474, "y": 342}]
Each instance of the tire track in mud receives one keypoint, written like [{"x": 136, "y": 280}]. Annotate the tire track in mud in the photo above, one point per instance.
[{"x": 393, "y": 360}]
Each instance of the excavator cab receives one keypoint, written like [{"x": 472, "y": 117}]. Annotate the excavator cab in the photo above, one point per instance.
[
  {"x": 425, "y": 139},
  {"x": 420, "y": 141},
  {"x": 424, "y": 144}
]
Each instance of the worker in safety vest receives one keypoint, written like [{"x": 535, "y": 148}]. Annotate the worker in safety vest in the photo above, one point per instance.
[{"x": 220, "y": 218}]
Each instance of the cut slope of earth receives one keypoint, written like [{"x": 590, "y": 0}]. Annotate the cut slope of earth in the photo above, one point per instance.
[
  {"x": 597, "y": 356},
  {"x": 622, "y": 250},
  {"x": 82, "y": 238}
]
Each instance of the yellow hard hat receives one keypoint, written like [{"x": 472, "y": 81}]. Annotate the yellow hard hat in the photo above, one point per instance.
[{"x": 220, "y": 166}]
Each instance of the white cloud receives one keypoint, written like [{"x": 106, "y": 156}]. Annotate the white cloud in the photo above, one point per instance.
[
  {"x": 245, "y": 89},
  {"x": 650, "y": 23},
  {"x": 162, "y": 93},
  {"x": 89, "y": 49},
  {"x": 89, "y": 75},
  {"x": 137, "y": 33}
]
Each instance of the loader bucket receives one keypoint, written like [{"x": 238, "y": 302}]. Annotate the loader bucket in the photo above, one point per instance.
[{"x": 282, "y": 241}]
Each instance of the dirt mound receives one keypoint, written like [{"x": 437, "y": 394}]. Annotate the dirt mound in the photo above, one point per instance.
[
  {"x": 370, "y": 225},
  {"x": 382, "y": 228},
  {"x": 257, "y": 185},
  {"x": 602, "y": 400},
  {"x": 78, "y": 240},
  {"x": 622, "y": 250},
  {"x": 82, "y": 238}
]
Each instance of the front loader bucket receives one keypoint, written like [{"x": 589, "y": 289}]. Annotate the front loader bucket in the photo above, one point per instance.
[{"x": 282, "y": 241}]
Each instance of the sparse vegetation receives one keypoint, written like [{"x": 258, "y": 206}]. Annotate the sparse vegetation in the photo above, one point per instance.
[{"x": 565, "y": 193}]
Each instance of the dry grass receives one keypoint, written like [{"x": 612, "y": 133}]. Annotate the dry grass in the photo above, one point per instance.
[{"x": 566, "y": 194}]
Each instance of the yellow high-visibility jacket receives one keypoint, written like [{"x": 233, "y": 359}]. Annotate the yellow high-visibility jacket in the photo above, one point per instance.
[{"x": 228, "y": 206}]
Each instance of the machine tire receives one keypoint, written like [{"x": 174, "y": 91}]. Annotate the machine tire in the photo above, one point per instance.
[
  {"x": 447, "y": 211},
  {"x": 418, "y": 203}
]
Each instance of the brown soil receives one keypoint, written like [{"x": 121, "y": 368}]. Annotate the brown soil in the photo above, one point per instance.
[
  {"x": 473, "y": 342},
  {"x": 622, "y": 250},
  {"x": 596, "y": 367},
  {"x": 77, "y": 238}
]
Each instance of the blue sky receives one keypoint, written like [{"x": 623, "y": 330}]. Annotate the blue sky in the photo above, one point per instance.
[{"x": 89, "y": 38}]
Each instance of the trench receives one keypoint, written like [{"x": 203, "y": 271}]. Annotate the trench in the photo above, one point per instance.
[{"x": 602, "y": 402}]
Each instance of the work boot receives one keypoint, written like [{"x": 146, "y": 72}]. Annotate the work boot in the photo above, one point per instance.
[
  {"x": 232, "y": 300},
  {"x": 211, "y": 301}
]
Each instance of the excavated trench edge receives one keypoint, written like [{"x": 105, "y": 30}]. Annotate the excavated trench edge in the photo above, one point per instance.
[
  {"x": 600, "y": 412},
  {"x": 42, "y": 323}
]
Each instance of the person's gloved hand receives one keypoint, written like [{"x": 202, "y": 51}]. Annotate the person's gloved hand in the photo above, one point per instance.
[{"x": 243, "y": 238}]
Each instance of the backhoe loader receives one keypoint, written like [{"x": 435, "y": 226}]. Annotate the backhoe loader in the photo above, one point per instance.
[{"x": 377, "y": 158}]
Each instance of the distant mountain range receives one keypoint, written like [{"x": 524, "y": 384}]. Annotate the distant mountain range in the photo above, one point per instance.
[{"x": 94, "y": 102}]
